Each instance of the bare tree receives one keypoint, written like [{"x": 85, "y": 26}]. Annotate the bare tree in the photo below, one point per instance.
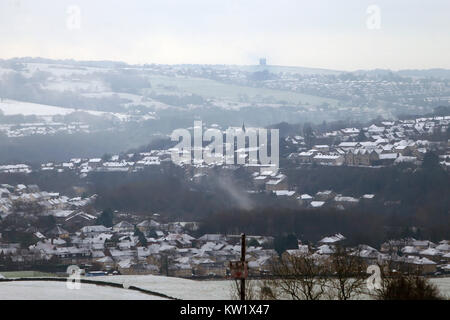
[
  {"x": 250, "y": 290},
  {"x": 348, "y": 275},
  {"x": 298, "y": 276},
  {"x": 269, "y": 290}
]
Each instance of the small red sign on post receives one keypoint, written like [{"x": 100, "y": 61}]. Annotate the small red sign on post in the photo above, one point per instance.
[{"x": 239, "y": 269}]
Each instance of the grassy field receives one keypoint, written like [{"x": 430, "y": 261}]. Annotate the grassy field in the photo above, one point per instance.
[{"x": 214, "y": 89}]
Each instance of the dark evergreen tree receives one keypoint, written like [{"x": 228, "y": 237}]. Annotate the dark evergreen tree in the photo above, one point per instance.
[
  {"x": 141, "y": 237},
  {"x": 106, "y": 218},
  {"x": 285, "y": 242},
  {"x": 361, "y": 136},
  {"x": 430, "y": 161}
]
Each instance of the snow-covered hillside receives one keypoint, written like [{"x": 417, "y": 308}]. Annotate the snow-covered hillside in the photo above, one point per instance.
[{"x": 12, "y": 107}]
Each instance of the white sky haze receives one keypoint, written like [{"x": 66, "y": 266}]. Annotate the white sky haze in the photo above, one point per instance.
[{"x": 326, "y": 34}]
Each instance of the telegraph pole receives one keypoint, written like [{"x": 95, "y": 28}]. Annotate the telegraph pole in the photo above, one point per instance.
[{"x": 243, "y": 264}]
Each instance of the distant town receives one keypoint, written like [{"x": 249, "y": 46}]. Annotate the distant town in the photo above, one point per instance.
[
  {"x": 135, "y": 246},
  {"x": 388, "y": 144},
  {"x": 121, "y": 242}
]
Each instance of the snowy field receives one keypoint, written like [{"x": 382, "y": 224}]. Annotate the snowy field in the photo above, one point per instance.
[
  {"x": 443, "y": 285},
  {"x": 61, "y": 70},
  {"x": 47, "y": 290},
  {"x": 12, "y": 107},
  {"x": 176, "y": 287},
  {"x": 209, "y": 290},
  {"x": 75, "y": 85}
]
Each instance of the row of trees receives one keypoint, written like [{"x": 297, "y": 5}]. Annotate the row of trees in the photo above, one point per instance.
[
  {"x": 310, "y": 225},
  {"x": 161, "y": 189},
  {"x": 340, "y": 276}
]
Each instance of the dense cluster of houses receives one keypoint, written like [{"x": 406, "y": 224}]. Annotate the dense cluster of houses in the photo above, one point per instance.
[
  {"x": 365, "y": 90},
  {"x": 391, "y": 143},
  {"x": 130, "y": 246},
  {"x": 43, "y": 128},
  {"x": 82, "y": 166},
  {"x": 136, "y": 246},
  {"x": 148, "y": 247},
  {"x": 151, "y": 247},
  {"x": 22, "y": 198},
  {"x": 406, "y": 255},
  {"x": 412, "y": 254},
  {"x": 357, "y": 87},
  {"x": 132, "y": 162}
]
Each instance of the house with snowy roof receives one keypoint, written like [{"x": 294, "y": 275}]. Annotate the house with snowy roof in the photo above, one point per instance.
[
  {"x": 57, "y": 232},
  {"x": 332, "y": 239},
  {"x": 328, "y": 159},
  {"x": 304, "y": 199},
  {"x": 92, "y": 231},
  {"x": 361, "y": 157},
  {"x": 432, "y": 254},
  {"x": 324, "y": 195},
  {"x": 123, "y": 227},
  {"x": 414, "y": 264},
  {"x": 278, "y": 183},
  {"x": 316, "y": 204},
  {"x": 147, "y": 225}
]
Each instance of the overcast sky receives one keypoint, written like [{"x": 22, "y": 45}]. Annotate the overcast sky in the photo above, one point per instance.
[{"x": 317, "y": 33}]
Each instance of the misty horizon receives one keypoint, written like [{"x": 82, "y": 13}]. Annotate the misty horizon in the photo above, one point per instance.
[
  {"x": 355, "y": 35},
  {"x": 256, "y": 63}
]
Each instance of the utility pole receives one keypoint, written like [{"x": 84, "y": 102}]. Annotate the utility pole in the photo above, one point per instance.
[
  {"x": 243, "y": 264},
  {"x": 239, "y": 269}
]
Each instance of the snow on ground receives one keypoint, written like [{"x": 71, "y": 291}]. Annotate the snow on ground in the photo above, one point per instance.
[
  {"x": 61, "y": 70},
  {"x": 48, "y": 290},
  {"x": 12, "y": 107},
  {"x": 177, "y": 287},
  {"x": 107, "y": 94},
  {"x": 443, "y": 285},
  {"x": 134, "y": 98},
  {"x": 209, "y": 290},
  {"x": 174, "y": 287},
  {"x": 75, "y": 85},
  {"x": 4, "y": 71}
]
